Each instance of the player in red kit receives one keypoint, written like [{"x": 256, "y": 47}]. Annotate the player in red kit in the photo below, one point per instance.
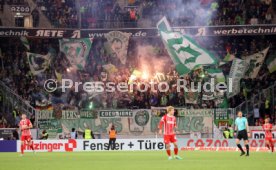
[
  {"x": 168, "y": 124},
  {"x": 26, "y": 136},
  {"x": 267, "y": 127}
]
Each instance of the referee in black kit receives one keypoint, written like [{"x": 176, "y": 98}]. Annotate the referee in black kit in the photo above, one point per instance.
[{"x": 241, "y": 125}]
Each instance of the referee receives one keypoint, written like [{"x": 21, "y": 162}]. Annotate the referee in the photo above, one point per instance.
[{"x": 241, "y": 125}]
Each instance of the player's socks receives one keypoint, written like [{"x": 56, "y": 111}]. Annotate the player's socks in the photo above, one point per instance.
[
  {"x": 268, "y": 146},
  {"x": 175, "y": 151},
  {"x": 169, "y": 152},
  {"x": 22, "y": 149},
  {"x": 32, "y": 147},
  {"x": 272, "y": 147},
  {"x": 240, "y": 147},
  {"x": 247, "y": 150}
]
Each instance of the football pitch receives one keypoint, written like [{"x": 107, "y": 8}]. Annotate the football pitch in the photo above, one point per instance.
[{"x": 137, "y": 160}]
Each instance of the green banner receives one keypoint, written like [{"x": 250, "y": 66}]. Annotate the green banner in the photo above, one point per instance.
[
  {"x": 115, "y": 113},
  {"x": 88, "y": 114},
  {"x": 196, "y": 112},
  {"x": 139, "y": 122}
]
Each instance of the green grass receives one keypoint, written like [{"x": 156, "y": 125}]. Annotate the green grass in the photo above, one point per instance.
[{"x": 149, "y": 160}]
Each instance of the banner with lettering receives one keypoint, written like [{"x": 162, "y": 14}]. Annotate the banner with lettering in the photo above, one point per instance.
[
  {"x": 136, "y": 144},
  {"x": 138, "y": 122},
  {"x": 200, "y": 120},
  {"x": 196, "y": 31}
]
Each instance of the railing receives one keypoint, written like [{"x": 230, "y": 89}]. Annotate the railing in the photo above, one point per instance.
[
  {"x": 255, "y": 101},
  {"x": 16, "y": 101}
]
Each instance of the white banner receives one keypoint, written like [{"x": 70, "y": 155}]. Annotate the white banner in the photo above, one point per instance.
[
  {"x": 260, "y": 134},
  {"x": 72, "y": 145}
]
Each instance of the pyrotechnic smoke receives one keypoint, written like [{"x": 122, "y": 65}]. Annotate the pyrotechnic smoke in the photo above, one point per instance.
[
  {"x": 197, "y": 12},
  {"x": 150, "y": 61}
]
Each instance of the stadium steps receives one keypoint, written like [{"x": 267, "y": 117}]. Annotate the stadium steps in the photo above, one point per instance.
[
  {"x": 43, "y": 20},
  {"x": 11, "y": 100},
  {"x": 274, "y": 10},
  {"x": 7, "y": 17},
  {"x": 255, "y": 101}
]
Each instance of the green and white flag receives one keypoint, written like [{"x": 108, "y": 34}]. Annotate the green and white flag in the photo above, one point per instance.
[
  {"x": 217, "y": 74},
  {"x": 25, "y": 42},
  {"x": 219, "y": 77},
  {"x": 191, "y": 97},
  {"x": 255, "y": 63},
  {"x": 237, "y": 72},
  {"x": 38, "y": 63},
  {"x": 76, "y": 51},
  {"x": 183, "y": 50},
  {"x": 271, "y": 63},
  {"x": 229, "y": 57},
  {"x": 118, "y": 41}
]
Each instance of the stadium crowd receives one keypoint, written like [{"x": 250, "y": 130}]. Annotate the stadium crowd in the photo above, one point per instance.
[
  {"x": 15, "y": 72},
  {"x": 61, "y": 13},
  {"x": 146, "y": 13},
  {"x": 109, "y": 14},
  {"x": 227, "y": 12}
]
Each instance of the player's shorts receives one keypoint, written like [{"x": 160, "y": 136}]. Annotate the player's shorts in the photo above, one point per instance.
[
  {"x": 170, "y": 139},
  {"x": 26, "y": 138},
  {"x": 242, "y": 135},
  {"x": 270, "y": 139}
]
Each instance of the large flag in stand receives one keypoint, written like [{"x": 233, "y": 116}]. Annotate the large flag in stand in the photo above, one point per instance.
[
  {"x": 185, "y": 53},
  {"x": 25, "y": 42},
  {"x": 118, "y": 41},
  {"x": 76, "y": 51},
  {"x": 271, "y": 63},
  {"x": 237, "y": 72},
  {"x": 38, "y": 63},
  {"x": 255, "y": 63}
]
